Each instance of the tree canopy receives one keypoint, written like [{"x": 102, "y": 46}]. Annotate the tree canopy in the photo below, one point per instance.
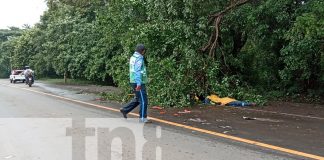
[{"x": 240, "y": 48}]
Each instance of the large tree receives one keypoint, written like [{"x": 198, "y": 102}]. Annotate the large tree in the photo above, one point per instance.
[{"x": 237, "y": 48}]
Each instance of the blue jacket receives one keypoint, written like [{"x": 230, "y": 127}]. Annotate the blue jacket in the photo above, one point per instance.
[{"x": 137, "y": 69}]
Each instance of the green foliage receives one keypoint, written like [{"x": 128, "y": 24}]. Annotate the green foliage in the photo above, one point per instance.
[
  {"x": 7, "y": 43},
  {"x": 304, "y": 54},
  {"x": 270, "y": 45},
  {"x": 234, "y": 87}
]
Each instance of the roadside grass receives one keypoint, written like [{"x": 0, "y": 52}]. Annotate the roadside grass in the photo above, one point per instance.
[
  {"x": 69, "y": 81},
  {"x": 112, "y": 96},
  {"x": 117, "y": 97}
]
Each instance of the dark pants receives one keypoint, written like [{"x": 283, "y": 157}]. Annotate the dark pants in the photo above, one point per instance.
[{"x": 140, "y": 98}]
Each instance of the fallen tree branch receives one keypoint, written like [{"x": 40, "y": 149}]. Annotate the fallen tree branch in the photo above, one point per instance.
[
  {"x": 233, "y": 5},
  {"x": 217, "y": 18}
]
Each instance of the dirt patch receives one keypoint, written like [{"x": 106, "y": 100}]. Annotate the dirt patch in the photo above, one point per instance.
[{"x": 310, "y": 110}]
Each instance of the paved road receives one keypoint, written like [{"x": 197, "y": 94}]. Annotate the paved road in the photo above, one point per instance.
[{"x": 35, "y": 126}]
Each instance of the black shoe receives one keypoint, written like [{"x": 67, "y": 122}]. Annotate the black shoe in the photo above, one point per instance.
[{"x": 123, "y": 112}]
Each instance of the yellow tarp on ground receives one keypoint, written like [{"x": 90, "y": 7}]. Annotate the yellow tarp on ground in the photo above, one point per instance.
[{"x": 223, "y": 101}]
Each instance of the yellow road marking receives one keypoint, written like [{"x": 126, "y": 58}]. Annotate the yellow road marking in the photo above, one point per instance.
[{"x": 290, "y": 151}]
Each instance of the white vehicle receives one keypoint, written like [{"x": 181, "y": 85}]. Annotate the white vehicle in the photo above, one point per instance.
[{"x": 17, "y": 75}]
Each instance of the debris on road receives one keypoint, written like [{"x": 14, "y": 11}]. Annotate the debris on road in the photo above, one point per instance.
[
  {"x": 224, "y": 127},
  {"x": 268, "y": 120},
  {"x": 162, "y": 112},
  {"x": 248, "y": 118},
  {"x": 197, "y": 120},
  {"x": 184, "y": 112},
  {"x": 157, "y": 107},
  {"x": 262, "y": 119}
]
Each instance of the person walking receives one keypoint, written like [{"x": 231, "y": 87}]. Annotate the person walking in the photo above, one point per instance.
[{"x": 138, "y": 79}]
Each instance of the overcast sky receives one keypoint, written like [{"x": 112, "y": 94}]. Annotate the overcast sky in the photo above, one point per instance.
[{"x": 19, "y": 12}]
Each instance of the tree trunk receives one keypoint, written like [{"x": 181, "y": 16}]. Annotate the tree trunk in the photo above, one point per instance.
[{"x": 65, "y": 77}]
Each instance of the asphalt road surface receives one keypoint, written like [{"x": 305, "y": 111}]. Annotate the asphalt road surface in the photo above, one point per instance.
[{"x": 35, "y": 126}]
